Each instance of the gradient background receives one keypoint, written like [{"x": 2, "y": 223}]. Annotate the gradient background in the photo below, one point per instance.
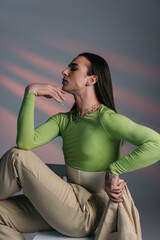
[{"x": 37, "y": 41}]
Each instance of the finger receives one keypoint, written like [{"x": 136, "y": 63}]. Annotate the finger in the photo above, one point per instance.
[
  {"x": 56, "y": 97},
  {"x": 61, "y": 96},
  {"x": 119, "y": 184},
  {"x": 122, "y": 183},
  {"x": 116, "y": 193},
  {"x": 116, "y": 196},
  {"x": 117, "y": 189},
  {"x": 61, "y": 90},
  {"x": 121, "y": 187},
  {"x": 116, "y": 200},
  {"x": 54, "y": 91}
]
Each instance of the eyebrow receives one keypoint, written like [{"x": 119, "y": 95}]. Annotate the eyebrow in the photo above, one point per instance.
[{"x": 73, "y": 64}]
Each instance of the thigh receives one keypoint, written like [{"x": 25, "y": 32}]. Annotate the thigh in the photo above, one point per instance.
[
  {"x": 55, "y": 200},
  {"x": 19, "y": 214},
  {"x": 23, "y": 169}
]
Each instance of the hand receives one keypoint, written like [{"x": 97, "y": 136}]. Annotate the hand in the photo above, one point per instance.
[
  {"x": 113, "y": 188},
  {"x": 46, "y": 90}
]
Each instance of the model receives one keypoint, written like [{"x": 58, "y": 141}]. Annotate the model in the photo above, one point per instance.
[{"x": 92, "y": 135}]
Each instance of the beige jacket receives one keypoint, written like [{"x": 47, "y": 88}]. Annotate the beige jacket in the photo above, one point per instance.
[{"x": 120, "y": 221}]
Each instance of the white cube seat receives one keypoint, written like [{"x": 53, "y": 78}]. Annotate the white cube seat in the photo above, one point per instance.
[{"x": 52, "y": 235}]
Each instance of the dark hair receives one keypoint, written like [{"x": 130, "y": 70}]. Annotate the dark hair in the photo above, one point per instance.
[{"x": 103, "y": 87}]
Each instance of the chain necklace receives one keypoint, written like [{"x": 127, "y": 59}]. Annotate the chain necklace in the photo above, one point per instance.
[
  {"x": 91, "y": 109},
  {"x": 77, "y": 117}
]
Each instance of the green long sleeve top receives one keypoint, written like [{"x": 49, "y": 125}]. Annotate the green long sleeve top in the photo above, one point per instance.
[{"x": 91, "y": 142}]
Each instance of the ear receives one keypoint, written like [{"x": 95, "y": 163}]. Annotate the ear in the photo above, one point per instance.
[{"x": 92, "y": 80}]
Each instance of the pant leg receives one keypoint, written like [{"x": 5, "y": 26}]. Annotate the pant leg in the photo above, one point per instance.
[
  {"x": 53, "y": 198},
  {"x": 18, "y": 215}
]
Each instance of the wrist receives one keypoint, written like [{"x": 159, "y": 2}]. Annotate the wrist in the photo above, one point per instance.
[
  {"x": 110, "y": 177},
  {"x": 31, "y": 89},
  {"x": 108, "y": 174}
]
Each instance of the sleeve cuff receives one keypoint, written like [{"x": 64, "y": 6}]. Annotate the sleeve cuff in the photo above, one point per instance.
[
  {"x": 29, "y": 95},
  {"x": 113, "y": 170}
]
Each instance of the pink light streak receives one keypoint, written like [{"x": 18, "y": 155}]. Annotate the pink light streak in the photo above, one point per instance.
[
  {"x": 123, "y": 95},
  {"x": 123, "y": 63},
  {"x": 50, "y": 66},
  {"x": 41, "y": 103},
  {"x": 137, "y": 101},
  {"x": 30, "y": 76},
  {"x": 27, "y": 75},
  {"x": 116, "y": 60}
]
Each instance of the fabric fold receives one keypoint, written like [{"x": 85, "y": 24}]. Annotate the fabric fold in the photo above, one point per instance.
[{"x": 120, "y": 221}]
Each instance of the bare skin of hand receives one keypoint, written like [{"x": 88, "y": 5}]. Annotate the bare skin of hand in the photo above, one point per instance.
[
  {"x": 113, "y": 188},
  {"x": 46, "y": 90}
]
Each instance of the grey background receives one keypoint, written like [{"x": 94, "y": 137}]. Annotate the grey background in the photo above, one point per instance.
[{"x": 37, "y": 41}]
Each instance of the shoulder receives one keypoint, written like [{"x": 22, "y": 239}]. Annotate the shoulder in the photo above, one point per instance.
[
  {"x": 60, "y": 117},
  {"x": 63, "y": 119},
  {"x": 114, "y": 123},
  {"x": 110, "y": 117},
  {"x": 65, "y": 116}
]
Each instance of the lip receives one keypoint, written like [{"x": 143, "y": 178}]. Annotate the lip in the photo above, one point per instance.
[{"x": 64, "y": 81}]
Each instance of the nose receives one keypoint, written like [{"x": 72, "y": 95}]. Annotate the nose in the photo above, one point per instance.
[{"x": 64, "y": 72}]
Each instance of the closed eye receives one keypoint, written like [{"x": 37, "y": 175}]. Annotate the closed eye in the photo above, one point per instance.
[
  {"x": 73, "y": 66},
  {"x": 73, "y": 69}
]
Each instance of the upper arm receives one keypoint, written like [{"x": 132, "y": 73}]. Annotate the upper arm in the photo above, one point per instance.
[
  {"x": 47, "y": 131},
  {"x": 40, "y": 135},
  {"x": 120, "y": 127}
]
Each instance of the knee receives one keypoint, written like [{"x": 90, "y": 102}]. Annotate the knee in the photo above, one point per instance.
[
  {"x": 21, "y": 155},
  {"x": 18, "y": 154},
  {"x": 14, "y": 151}
]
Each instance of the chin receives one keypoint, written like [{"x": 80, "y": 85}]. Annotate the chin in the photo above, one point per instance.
[{"x": 64, "y": 88}]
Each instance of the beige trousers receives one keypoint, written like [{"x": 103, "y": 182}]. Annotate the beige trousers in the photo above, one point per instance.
[{"x": 48, "y": 201}]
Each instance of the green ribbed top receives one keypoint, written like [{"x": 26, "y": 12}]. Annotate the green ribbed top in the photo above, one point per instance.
[{"x": 91, "y": 142}]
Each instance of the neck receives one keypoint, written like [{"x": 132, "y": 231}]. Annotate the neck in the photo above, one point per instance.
[{"x": 85, "y": 102}]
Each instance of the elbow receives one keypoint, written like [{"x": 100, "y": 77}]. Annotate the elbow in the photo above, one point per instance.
[{"x": 22, "y": 145}]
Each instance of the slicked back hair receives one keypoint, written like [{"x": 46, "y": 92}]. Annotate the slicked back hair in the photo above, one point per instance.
[{"x": 103, "y": 87}]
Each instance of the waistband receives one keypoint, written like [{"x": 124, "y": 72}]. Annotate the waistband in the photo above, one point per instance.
[{"x": 92, "y": 181}]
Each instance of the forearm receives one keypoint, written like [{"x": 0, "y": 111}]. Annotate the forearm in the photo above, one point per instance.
[
  {"x": 27, "y": 136},
  {"x": 143, "y": 156},
  {"x": 25, "y": 123},
  {"x": 119, "y": 127}
]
